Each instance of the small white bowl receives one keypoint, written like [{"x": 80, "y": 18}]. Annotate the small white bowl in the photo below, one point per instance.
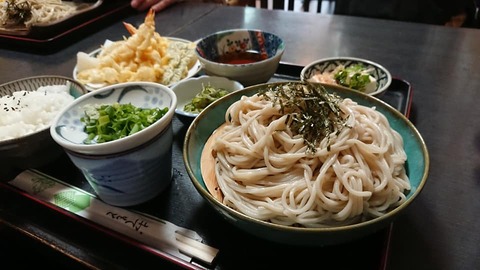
[
  {"x": 328, "y": 65},
  {"x": 186, "y": 90},
  {"x": 67, "y": 130},
  {"x": 129, "y": 170}
]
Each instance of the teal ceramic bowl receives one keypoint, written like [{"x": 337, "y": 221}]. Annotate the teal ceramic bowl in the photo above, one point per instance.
[{"x": 417, "y": 167}]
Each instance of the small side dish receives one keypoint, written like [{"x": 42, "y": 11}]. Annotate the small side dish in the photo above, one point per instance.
[
  {"x": 355, "y": 76},
  {"x": 195, "y": 94},
  {"x": 355, "y": 73},
  {"x": 205, "y": 97},
  {"x": 69, "y": 130},
  {"x": 249, "y": 56},
  {"x": 125, "y": 150}
]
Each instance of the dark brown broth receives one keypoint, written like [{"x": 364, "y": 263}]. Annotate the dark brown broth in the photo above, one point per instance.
[{"x": 241, "y": 58}]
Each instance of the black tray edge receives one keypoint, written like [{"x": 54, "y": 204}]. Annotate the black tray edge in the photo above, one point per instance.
[
  {"x": 92, "y": 225},
  {"x": 100, "y": 17}
]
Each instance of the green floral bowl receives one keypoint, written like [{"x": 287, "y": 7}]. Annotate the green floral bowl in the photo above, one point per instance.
[
  {"x": 416, "y": 167},
  {"x": 323, "y": 71}
]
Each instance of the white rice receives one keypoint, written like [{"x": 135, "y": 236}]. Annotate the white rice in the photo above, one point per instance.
[{"x": 25, "y": 112}]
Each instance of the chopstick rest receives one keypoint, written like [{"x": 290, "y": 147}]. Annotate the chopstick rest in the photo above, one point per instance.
[{"x": 157, "y": 233}]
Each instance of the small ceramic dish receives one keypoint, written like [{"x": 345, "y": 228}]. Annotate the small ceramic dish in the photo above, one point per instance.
[
  {"x": 68, "y": 131},
  {"x": 324, "y": 70},
  {"x": 248, "y": 56},
  {"x": 187, "y": 90},
  {"x": 129, "y": 170}
]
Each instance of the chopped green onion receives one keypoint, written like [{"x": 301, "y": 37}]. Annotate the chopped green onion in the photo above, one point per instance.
[{"x": 104, "y": 123}]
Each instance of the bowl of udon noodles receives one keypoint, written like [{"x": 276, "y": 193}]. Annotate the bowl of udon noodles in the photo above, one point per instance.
[{"x": 305, "y": 164}]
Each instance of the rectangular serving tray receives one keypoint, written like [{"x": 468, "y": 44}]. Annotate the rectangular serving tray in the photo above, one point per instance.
[
  {"x": 399, "y": 95},
  {"x": 85, "y": 10},
  {"x": 52, "y": 37}
]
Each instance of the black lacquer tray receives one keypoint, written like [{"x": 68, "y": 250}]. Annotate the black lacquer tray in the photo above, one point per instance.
[
  {"x": 48, "y": 38},
  {"x": 89, "y": 245}
]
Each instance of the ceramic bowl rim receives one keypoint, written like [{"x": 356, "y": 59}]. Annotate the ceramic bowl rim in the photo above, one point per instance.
[
  {"x": 200, "y": 78},
  {"x": 122, "y": 153},
  {"x": 101, "y": 148},
  {"x": 279, "y": 52},
  {"x": 16, "y": 140},
  {"x": 334, "y": 229}
]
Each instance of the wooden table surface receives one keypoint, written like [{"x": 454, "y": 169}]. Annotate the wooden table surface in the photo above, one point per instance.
[{"x": 438, "y": 231}]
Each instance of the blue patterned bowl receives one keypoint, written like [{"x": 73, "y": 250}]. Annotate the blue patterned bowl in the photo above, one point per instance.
[
  {"x": 130, "y": 177},
  {"x": 130, "y": 170},
  {"x": 67, "y": 130},
  {"x": 325, "y": 66},
  {"x": 218, "y": 54}
]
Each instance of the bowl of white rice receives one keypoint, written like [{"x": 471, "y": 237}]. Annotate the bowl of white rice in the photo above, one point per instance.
[{"x": 28, "y": 107}]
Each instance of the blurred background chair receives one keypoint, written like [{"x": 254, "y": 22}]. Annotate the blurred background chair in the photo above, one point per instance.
[
  {"x": 372, "y": 8},
  {"x": 315, "y": 6}
]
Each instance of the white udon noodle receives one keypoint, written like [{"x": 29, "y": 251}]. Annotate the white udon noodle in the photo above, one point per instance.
[{"x": 266, "y": 173}]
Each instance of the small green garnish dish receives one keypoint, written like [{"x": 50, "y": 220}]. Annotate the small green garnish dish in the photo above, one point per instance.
[
  {"x": 208, "y": 95},
  {"x": 358, "y": 74}
]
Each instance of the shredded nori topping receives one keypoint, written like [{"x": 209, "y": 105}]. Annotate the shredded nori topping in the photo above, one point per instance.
[
  {"x": 312, "y": 111},
  {"x": 17, "y": 13}
]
